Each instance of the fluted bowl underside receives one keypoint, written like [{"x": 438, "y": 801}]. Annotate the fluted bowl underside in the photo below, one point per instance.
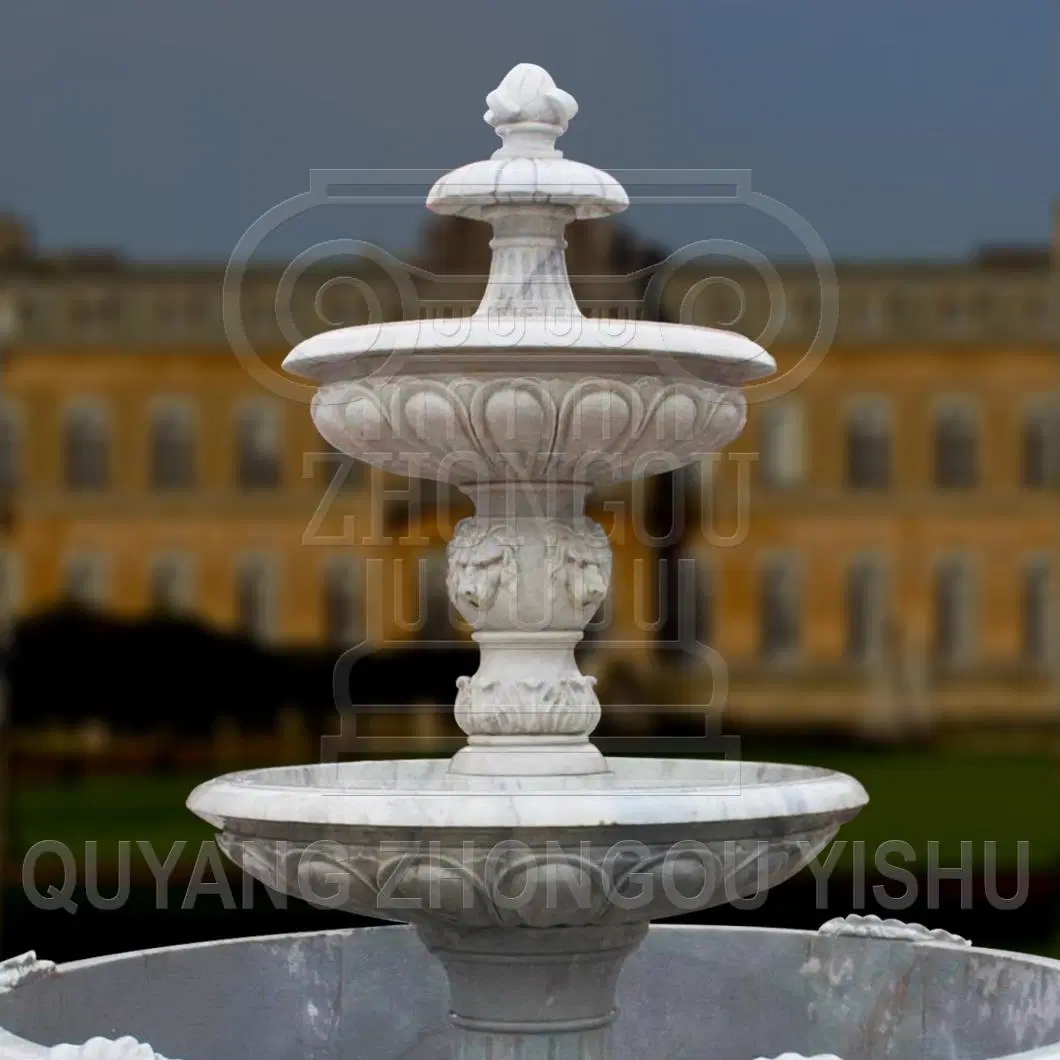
[
  {"x": 565, "y": 427},
  {"x": 401, "y": 841}
]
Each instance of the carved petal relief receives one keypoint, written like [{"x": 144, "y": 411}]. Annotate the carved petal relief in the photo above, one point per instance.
[{"x": 467, "y": 430}]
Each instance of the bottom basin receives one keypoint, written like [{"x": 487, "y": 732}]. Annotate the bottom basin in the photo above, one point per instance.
[{"x": 687, "y": 993}]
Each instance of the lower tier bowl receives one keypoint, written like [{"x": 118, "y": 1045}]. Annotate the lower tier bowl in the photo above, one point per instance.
[{"x": 688, "y": 993}]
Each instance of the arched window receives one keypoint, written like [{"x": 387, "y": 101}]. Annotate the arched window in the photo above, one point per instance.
[
  {"x": 10, "y": 447},
  {"x": 865, "y": 610},
  {"x": 783, "y": 444},
  {"x": 1041, "y": 446},
  {"x": 338, "y": 469},
  {"x": 692, "y": 621},
  {"x": 956, "y": 446},
  {"x": 85, "y": 579},
  {"x": 954, "y": 611},
  {"x": 779, "y": 609},
  {"x": 171, "y": 588},
  {"x": 258, "y": 446},
  {"x": 868, "y": 445},
  {"x": 1037, "y": 612},
  {"x": 172, "y": 446},
  {"x": 256, "y": 597},
  {"x": 86, "y": 447},
  {"x": 343, "y": 602}
]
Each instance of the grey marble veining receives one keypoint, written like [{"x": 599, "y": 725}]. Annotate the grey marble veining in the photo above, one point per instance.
[{"x": 685, "y": 994}]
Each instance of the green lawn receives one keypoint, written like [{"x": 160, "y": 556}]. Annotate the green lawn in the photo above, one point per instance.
[
  {"x": 107, "y": 810},
  {"x": 925, "y": 797},
  {"x": 918, "y": 797}
]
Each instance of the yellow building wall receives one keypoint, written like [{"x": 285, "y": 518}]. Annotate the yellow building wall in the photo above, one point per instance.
[{"x": 909, "y": 525}]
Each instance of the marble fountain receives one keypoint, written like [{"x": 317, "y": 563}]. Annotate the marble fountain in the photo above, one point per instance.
[{"x": 523, "y": 873}]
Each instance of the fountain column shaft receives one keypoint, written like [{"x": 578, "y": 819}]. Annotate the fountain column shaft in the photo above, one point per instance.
[
  {"x": 528, "y": 584},
  {"x": 528, "y": 272},
  {"x": 533, "y": 994}
]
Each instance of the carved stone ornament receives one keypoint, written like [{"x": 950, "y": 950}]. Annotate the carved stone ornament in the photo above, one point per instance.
[
  {"x": 14, "y": 1048},
  {"x": 799, "y": 1056},
  {"x": 23, "y": 969},
  {"x": 105, "y": 1049},
  {"x": 519, "y": 884},
  {"x": 872, "y": 927},
  {"x": 500, "y": 707},
  {"x": 482, "y": 560},
  {"x": 528, "y": 428},
  {"x": 528, "y": 573}
]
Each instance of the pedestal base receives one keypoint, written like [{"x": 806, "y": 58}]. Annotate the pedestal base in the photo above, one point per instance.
[
  {"x": 533, "y": 994},
  {"x": 499, "y": 756}
]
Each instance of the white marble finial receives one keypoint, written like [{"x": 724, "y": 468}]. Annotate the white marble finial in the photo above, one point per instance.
[
  {"x": 528, "y": 108},
  {"x": 528, "y": 113}
]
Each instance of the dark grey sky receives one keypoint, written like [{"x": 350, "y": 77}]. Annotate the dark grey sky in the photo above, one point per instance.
[{"x": 895, "y": 129}]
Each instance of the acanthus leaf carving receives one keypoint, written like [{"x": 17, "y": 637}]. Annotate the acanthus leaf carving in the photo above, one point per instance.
[{"x": 523, "y": 706}]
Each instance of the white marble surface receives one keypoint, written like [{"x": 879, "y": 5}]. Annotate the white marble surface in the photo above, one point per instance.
[
  {"x": 126, "y": 1048},
  {"x": 688, "y": 993},
  {"x": 634, "y": 348},
  {"x": 422, "y": 794},
  {"x": 538, "y": 430}
]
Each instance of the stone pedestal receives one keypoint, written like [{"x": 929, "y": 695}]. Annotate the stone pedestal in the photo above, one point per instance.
[{"x": 537, "y": 994}]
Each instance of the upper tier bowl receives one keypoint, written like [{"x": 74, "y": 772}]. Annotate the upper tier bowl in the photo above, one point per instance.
[{"x": 407, "y": 840}]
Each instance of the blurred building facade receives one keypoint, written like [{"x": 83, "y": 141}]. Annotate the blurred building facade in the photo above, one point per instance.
[{"x": 881, "y": 549}]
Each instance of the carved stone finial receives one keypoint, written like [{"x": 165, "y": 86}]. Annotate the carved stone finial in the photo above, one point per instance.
[
  {"x": 528, "y": 98},
  {"x": 872, "y": 927}
]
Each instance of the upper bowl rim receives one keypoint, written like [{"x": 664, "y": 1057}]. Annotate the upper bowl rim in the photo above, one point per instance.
[
  {"x": 704, "y": 353},
  {"x": 249, "y": 796}
]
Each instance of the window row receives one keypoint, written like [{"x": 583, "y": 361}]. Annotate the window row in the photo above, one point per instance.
[
  {"x": 870, "y": 633},
  {"x": 1028, "y": 310},
  {"x": 868, "y": 444},
  {"x": 87, "y": 448},
  {"x": 95, "y": 313}
]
